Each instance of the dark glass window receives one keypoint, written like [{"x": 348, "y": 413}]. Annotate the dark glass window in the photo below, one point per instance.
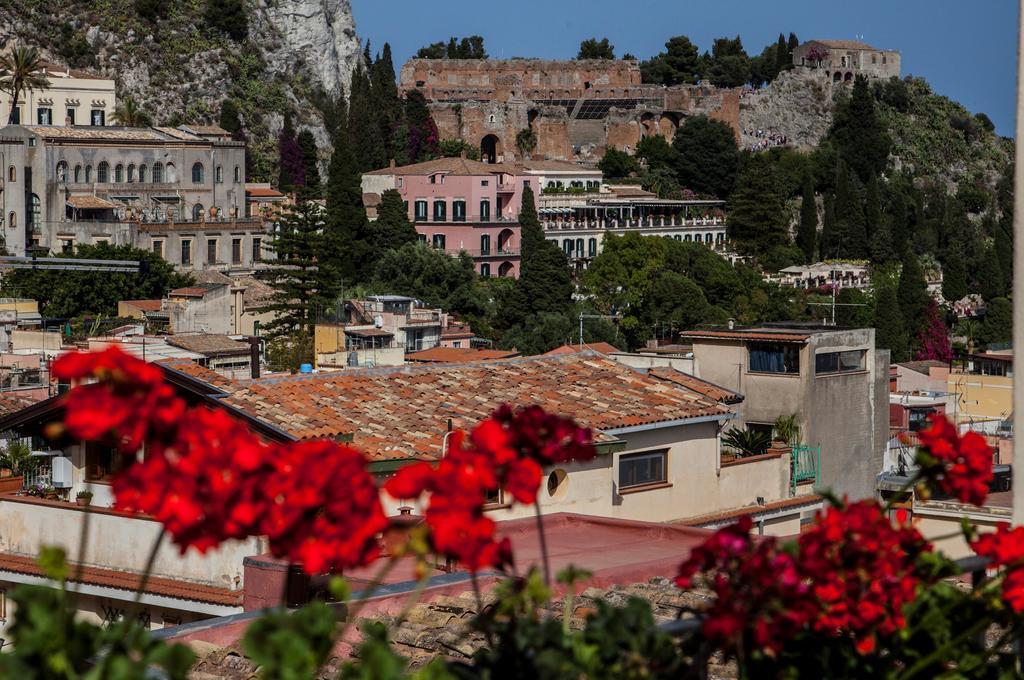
[
  {"x": 641, "y": 469},
  {"x": 839, "y": 362},
  {"x": 773, "y": 357}
]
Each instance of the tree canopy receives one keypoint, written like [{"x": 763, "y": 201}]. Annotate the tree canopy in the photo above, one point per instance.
[
  {"x": 592, "y": 48},
  {"x": 706, "y": 156}
]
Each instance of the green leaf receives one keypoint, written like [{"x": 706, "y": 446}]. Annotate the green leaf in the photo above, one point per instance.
[{"x": 53, "y": 561}]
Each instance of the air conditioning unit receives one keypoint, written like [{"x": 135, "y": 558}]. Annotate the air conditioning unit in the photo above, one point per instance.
[{"x": 60, "y": 472}]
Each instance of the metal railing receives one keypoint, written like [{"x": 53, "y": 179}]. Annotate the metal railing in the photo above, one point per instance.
[
  {"x": 806, "y": 465},
  {"x": 41, "y": 475}
]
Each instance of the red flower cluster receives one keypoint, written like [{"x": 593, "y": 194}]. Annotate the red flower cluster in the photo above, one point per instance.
[
  {"x": 211, "y": 479},
  {"x": 852, "y": 574},
  {"x": 959, "y": 466},
  {"x": 506, "y": 451},
  {"x": 1005, "y": 548},
  {"x": 862, "y": 571},
  {"x": 761, "y": 598},
  {"x": 129, "y": 398}
]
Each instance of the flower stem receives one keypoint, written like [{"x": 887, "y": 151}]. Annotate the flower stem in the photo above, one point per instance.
[
  {"x": 543, "y": 543},
  {"x": 150, "y": 561},
  {"x": 943, "y": 650},
  {"x": 366, "y": 594}
]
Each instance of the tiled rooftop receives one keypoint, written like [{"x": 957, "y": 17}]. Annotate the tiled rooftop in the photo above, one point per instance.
[
  {"x": 708, "y": 389},
  {"x": 194, "y": 370},
  {"x": 600, "y": 347},
  {"x": 110, "y": 578},
  {"x": 455, "y": 355},
  {"x": 767, "y": 334},
  {"x": 145, "y": 305},
  {"x": 451, "y": 165},
  {"x": 12, "y": 402},
  {"x": 89, "y": 202},
  {"x": 402, "y": 412},
  {"x": 208, "y": 344}
]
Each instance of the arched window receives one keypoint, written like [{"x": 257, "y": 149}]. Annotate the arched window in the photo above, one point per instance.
[
  {"x": 103, "y": 173},
  {"x": 142, "y": 174},
  {"x": 12, "y": 219},
  {"x": 158, "y": 173},
  {"x": 88, "y": 174},
  {"x": 12, "y": 174},
  {"x": 78, "y": 174},
  {"x": 36, "y": 215},
  {"x": 170, "y": 173},
  {"x": 197, "y": 212},
  {"x": 218, "y": 174},
  {"x": 62, "y": 171},
  {"x": 131, "y": 173},
  {"x": 197, "y": 173},
  {"x": 238, "y": 175},
  {"x": 119, "y": 173}
]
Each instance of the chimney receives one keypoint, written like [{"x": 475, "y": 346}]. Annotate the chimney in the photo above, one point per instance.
[
  {"x": 462, "y": 154},
  {"x": 254, "y": 357},
  {"x": 391, "y": 163}
]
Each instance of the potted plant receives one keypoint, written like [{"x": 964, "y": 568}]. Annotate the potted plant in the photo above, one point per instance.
[
  {"x": 51, "y": 493},
  {"x": 83, "y": 498},
  {"x": 16, "y": 458}
]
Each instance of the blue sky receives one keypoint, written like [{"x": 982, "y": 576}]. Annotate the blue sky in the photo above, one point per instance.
[{"x": 966, "y": 50}]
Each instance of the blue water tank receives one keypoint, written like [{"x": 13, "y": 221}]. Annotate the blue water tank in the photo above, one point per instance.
[{"x": 306, "y": 368}]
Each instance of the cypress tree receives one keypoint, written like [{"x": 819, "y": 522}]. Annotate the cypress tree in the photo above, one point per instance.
[
  {"x": 791, "y": 45},
  {"x": 898, "y": 223},
  {"x": 782, "y": 56},
  {"x": 954, "y": 277},
  {"x": 387, "y": 105},
  {"x": 998, "y": 323},
  {"x": 850, "y": 225},
  {"x": 882, "y": 247},
  {"x": 828, "y": 248},
  {"x": 872, "y": 209},
  {"x": 345, "y": 248},
  {"x": 422, "y": 142},
  {"x": 364, "y": 126},
  {"x": 392, "y": 229},
  {"x": 860, "y": 135},
  {"x": 912, "y": 293},
  {"x": 756, "y": 219},
  {"x": 889, "y": 331},
  {"x": 991, "y": 281},
  {"x": 807, "y": 232},
  {"x": 1004, "y": 251},
  {"x": 230, "y": 119},
  {"x": 310, "y": 163}
]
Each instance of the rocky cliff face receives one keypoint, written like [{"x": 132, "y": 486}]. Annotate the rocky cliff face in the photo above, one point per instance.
[
  {"x": 181, "y": 70},
  {"x": 797, "y": 104}
]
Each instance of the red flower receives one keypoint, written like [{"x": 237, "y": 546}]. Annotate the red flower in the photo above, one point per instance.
[
  {"x": 959, "y": 466},
  {"x": 1005, "y": 547}
]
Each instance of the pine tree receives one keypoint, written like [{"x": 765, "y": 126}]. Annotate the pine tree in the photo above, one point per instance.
[
  {"x": 310, "y": 163},
  {"x": 912, "y": 293},
  {"x": 392, "y": 229},
  {"x": 346, "y": 251},
  {"x": 859, "y": 134},
  {"x": 756, "y": 219},
  {"x": 807, "y": 232},
  {"x": 828, "y": 248},
  {"x": 954, "y": 277},
  {"x": 889, "y": 331},
  {"x": 545, "y": 281},
  {"x": 301, "y": 286}
]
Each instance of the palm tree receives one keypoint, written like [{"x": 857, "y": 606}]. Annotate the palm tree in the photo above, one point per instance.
[
  {"x": 746, "y": 442},
  {"x": 129, "y": 114},
  {"x": 20, "y": 72}
]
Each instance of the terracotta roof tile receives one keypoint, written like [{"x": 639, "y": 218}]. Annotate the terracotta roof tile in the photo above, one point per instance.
[
  {"x": 708, "y": 389},
  {"x": 89, "y": 202},
  {"x": 191, "y": 368},
  {"x": 600, "y": 347},
  {"x": 145, "y": 305},
  {"x": 208, "y": 343},
  {"x": 450, "y": 165},
  {"x": 454, "y": 355},
  {"x": 110, "y": 578},
  {"x": 263, "y": 192},
  {"x": 13, "y": 402},
  {"x": 402, "y": 412}
]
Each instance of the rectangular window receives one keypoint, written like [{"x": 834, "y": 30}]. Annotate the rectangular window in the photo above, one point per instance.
[
  {"x": 840, "y": 362},
  {"x": 438, "y": 241},
  {"x": 236, "y": 251},
  {"x": 16, "y": 115},
  {"x": 485, "y": 271},
  {"x": 67, "y": 245},
  {"x": 400, "y": 182},
  {"x": 457, "y": 344},
  {"x": 44, "y": 116},
  {"x": 440, "y": 211},
  {"x": 773, "y": 357},
  {"x": 917, "y": 418},
  {"x": 158, "y": 248},
  {"x": 101, "y": 462},
  {"x": 485, "y": 211},
  {"x": 421, "y": 238},
  {"x": 257, "y": 249},
  {"x": 421, "y": 211},
  {"x": 485, "y": 183},
  {"x": 99, "y": 117},
  {"x": 413, "y": 340},
  {"x": 458, "y": 211},
  {"x": 211, "y": 251},
  {"x": 641, "y": 469},
  {"x": 71, "y": 115},
  {"x": 186, "y": 253}
]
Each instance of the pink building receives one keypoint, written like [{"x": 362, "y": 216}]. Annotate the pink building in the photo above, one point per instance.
[{"x": 461, "y": 205}]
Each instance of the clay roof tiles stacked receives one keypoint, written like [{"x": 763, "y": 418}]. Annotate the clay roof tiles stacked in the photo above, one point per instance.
[
  {"x": 402, "y": 412},
  {"x": 599, "y": 347},
  {"x": 451, "y": 165},
  {"x": 452, "y": 355},
  {"x": 208, "y": 344}
]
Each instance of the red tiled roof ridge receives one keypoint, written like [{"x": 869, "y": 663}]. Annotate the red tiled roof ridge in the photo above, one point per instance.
[{"x": 122, "y": 580}]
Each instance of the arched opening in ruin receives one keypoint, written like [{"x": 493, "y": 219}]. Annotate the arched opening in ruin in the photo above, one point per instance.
[
  {"x": 505, "y": 269},
  {"x": 491, "y": 149},
  {"x": 837, "y": 77},
  {"x": 848, "y": 78},
  {"x": 668, "y": 124},
  {"x": 531, "y": 116},
  {"x": 648, "y": 126}
]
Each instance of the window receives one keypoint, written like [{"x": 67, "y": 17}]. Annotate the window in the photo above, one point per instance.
[
  {"x": 103, "y": 173},
  {"x": 198, "y": 173},
  {"x": 579, "y": 247},
  {"x": 592, "y": 247},
  {"x": 12, "y": 174},
  {"x": 485, "y": 210},
  {"x": 839, "y": 362},
  {"x": 119, "y": 174},
  {"x": 131, "y": 173},
  {"x": 67, "y": 246},
  {"x": 458, "y": 211},
  {"x": 101, "y": 462},
  {"x": 12, "y": 219},
  {"x": 641, "y": 469},
  {"x": 485, "y": 244},
  {"x": 438, "y": 241},
  {"x": 237, "y": 175},
  {"x": 485, "y": 182},
  {"x": 567, "y": 247},
  {"x": 186, "y": 252},
  {"x": 774, "y": 357},
  {"x": 62, "y": 171},
  {"x": 440, "y": 211},
  {"x": 88, "y": 174},
  {"x": 158, "y": 173},
  {"x": 36, "y": 215},
  {"x": 236, "y": 251},
  {"x": 917, "y": 418},
  {"x": 142, "y": 174},
  {"x": 485, "y": 270},
  {"x": 211, "y": 251},
  {"x": 414, "y": 340},
  {"x": 170, "y": 173},
  {"x": 158, "y": 248},
  {"x": 421, "y": 211},
  {"x": 526, "y": 183},
  {"x": 44, "y": 116},
  {"x": 99, "y": 117},
  {"x": 257, "y": 249},
  {"x": 197, "y": 212},
  {"x": 421, "y": 238},
  {"x": 71, "y": 115},
  {"x": 457, "y": 344},
  {"x": 218, "y": 175},
  {"x": 78, "y": 174}
]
